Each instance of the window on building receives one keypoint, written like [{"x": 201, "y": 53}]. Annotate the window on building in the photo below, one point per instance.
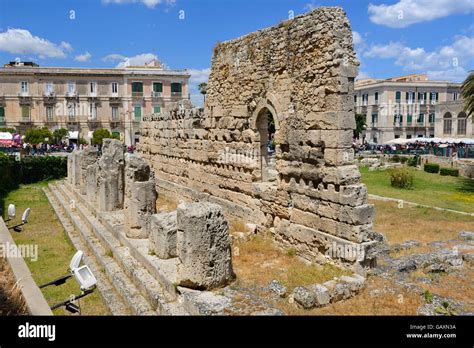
[
  {"x": 421, "y": 135},
  {"x": 71, "y": 109},
  {"x": 375, "y": 117},
  {"x": 398, "y": 97},
  {"x": 93, "y": 88},
  {"x": 455, "y": 96},
  {"x": 157, "y": 109},
  {"x": 376, "y": 96},
  {"x": 71, "y": 87},
  {"x": 420, "y": 119},
  {"x": 49, "y": 88},
  {"x": 115, "y": 113},
  {"x": 421, "y": 97},
  {"x": 355, "y": 99},
  {"x": 397, "y": 136},
  {"x": 157, "y": 89},
  {"x": 137, "y": 88},
  {"x": 431, "y": 118},
  {"x": 49, "y": 113},
  {"x": 375, "y": 140},
  {"x": 462, "y": 123},
  {"x": 24, "y": 87},
  {"x": 434, "y": 97},
  {"x": 447, "y": 123},
  {"x": 138, "y": 113},
  {"x": 2, "y": 114},
  {"x": 93, "y": 111},
  {"x": 397, "y": 120},
  {"x": 114, "y": 88},
  {"x": 25, "y": 112},
  {"x": 408, "y": 136},
  {"x": 409, "y": 119},
  {"x": 176, "y": 88},
  {"x": 410, "y": 97}
]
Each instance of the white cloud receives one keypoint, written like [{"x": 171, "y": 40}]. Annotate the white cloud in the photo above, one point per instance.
[
  {"x": 147, "y": 3},
  {"x": 140, "y": 59},
  {"x": 21, "y": 41},
  {"x": 197, "y": 76},
  {"x": 113, "y": 58},
  {"x": 407, "y": 12},
  {"x": 363, "y": 75},
  {"x": 357, "y": 38},
  {"x": 83, "y": 57},
  {"x": 446, "y": 62}
]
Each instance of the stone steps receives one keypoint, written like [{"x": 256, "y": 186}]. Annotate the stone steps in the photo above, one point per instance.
[
  {"x": 112, "y": 299},
  {"x": 163, "y": 271},
  {"x": 140, "y": 290}
]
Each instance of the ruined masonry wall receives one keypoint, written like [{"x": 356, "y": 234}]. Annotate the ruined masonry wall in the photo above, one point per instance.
[{"x": 302, "y": 71}]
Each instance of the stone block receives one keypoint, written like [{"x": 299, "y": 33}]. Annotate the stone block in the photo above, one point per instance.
[
  {"x": 203, "y": 246},
  {"x": 163, "y": 231}
]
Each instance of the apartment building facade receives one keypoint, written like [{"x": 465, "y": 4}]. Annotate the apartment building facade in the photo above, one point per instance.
[
  {"x": 82, "y": 100},
  {"x": 402, "y": 107}
]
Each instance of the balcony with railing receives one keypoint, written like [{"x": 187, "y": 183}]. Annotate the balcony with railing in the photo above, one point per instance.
[
  {"x": 72, "y": 95},
  {"x": 49, "y": 98},
  {"x": 25, "y": 120},
  {"x": 155, "y": 94},
  {"x": 3, "y": 120},
  {"x": 176, "y": 94},
  {"x": 93, "y": 123}
]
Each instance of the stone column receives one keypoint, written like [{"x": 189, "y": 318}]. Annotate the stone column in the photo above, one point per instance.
[
  {"x": 110, "y": 177},
  {"x": 140, "y": 197},
  {"x": 203, "y": 246}
]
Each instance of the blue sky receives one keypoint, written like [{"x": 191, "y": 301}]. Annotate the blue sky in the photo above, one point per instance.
[{"x": 392, "y": 37}]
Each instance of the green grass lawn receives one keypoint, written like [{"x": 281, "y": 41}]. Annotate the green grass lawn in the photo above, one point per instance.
[
  {"x": 54, "y": 249},
  {"x": 448, "y": 192}
]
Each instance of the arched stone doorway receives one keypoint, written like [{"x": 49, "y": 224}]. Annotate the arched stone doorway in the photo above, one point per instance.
[{"x": 266, "y": 127}]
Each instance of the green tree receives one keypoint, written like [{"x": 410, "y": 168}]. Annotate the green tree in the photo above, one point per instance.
[
  {"x": 38, "y": 135},
  {"x": 360, "y": 124},
  {"x": 7, "y": 130},
  {"x": 467, "y": 93},
  {"x": 58, "y": 135},
  {"x": 203, "y": 89},
  {"x": 100, "y": 134}
]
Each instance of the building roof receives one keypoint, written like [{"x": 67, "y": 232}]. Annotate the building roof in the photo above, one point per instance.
[
  {"x": 405, "y": 80},
  {"x": 153, "y": 68}
]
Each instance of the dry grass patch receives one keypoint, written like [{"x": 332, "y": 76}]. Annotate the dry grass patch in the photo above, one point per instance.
[
  {"x": 458, "y": 286},
  {"x": 11, "y": 299},
  {"x": 417, "y": 223},
  {"x": 397, "y": 302},
  {"x": 260, "y": 261}
]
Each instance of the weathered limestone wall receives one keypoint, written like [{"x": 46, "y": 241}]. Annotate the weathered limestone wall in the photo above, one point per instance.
[{"x": 302, "y": 71}]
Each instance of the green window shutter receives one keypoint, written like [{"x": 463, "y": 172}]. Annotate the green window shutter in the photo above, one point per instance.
[
  {"x": 409, "y": 118},
  {"x": 401, "y": 119},
  {"x": 406, "y": 96},
  {"x": 157, "y": 109},
  {"x": 398, "y": 96},
  {"x": 138, "y": 112},
  {"x": 424, "y": 95},
  {"x": 137, "y": 87},
  {"x": 437, "y": 95},
  {"x": 157, "y": 87},
  {"x": 2, "y": 112},
  {"x": 176, "y": 87}
]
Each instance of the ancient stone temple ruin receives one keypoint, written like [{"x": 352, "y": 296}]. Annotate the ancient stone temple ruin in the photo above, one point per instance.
[
  {"x": 272, "y": 147},
  {"x": 290, "y": 86}
]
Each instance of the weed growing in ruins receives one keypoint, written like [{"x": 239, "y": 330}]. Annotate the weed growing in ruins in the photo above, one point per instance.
[
  {"x": 109, "y": 253},
  {"x": 428, "y": 296}
]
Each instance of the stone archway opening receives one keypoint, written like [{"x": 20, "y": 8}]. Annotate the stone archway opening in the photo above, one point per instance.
[{"x": 266, "y": 128}]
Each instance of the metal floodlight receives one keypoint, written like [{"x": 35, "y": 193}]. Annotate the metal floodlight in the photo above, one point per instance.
[
  {"x": 24, "y": 220},
  {"x": 76, "y": 260},
  {"x": 85, "y": 278},
  {"x": 11, "y": 212}
]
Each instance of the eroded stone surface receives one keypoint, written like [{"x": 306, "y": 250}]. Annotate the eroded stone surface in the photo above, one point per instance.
[
  {"x": 203, "y": 246},
  {"x": 163, "y": 231}
]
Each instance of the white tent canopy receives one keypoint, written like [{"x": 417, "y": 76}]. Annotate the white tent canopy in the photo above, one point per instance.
[
  {"x": 6, "y": 136},
  {"x": 402, "y": 141}
]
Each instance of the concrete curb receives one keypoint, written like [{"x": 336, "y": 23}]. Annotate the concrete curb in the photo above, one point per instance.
[{"x": 35, "y": 301}]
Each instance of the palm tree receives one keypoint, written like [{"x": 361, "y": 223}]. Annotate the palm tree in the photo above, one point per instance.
[
  {"x": 467, "y": 93},
  {"x": 203, "y": 89}
]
